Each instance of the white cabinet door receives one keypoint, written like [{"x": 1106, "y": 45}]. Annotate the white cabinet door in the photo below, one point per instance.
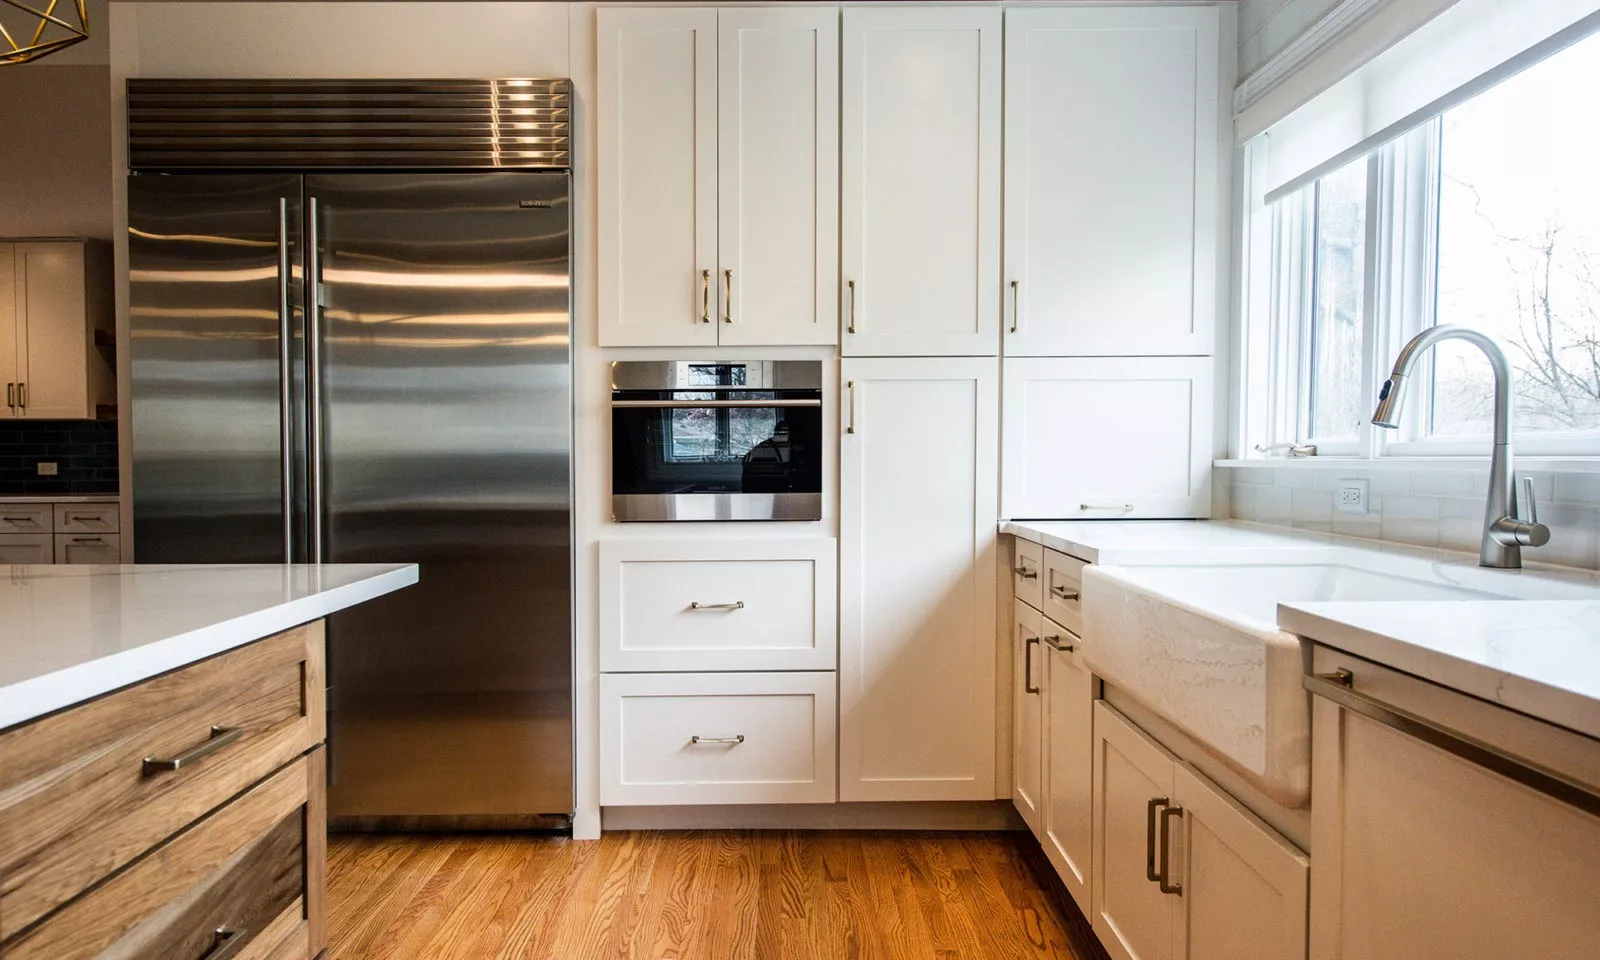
[
  {"x": 920, "y": 179},
  {"x": 778, "y": 175},
  {"x": 1112, "y": 189},
  {"x": 27, "y": 548},
  {"x": 1027, "y": 720},
  {"x": 656, "y": 110},
  {"x": 52, "y": 328},
  {"x": 76, "y": 548},
  {"x": 1244, "y": 886},
  {"x": 917, "y": 579},
  {"x": 1067, "y": 823},
  {"x": 8, "y": 328},
  {"x": 1133, "y": 783},
  {"x": 1108, "y": 438}
]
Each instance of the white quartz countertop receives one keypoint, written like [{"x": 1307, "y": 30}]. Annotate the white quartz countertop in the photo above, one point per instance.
[
  {"x": 71, "y": 633},
  {"x": 1167, "y": 541},
  {"x": 1539, "y": 657}
]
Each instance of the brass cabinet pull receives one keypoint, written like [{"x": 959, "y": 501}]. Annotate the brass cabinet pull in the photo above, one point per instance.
[
  {"x": 1027, "y": 666},
  {"x": 220, "y": 737},
  {"x": 1059, "y": 645},
  {"x": 851, "y": 286},
  {"x": 705, "y": 296},
  {"x": 22, "y": 395},
  {"x": 736, "y": 739},
  {"x": 1150, "y": 809},
  {"x": 1016, "y": 305},
  {"x": 230, "y": 942},
  {"x": 1339, "y": 687},
  {"x": 1167, "y": 884},
  {"x": 851, "y": 386},
  {"x": 1025, "y": 573},
  {"x": 727, "y": 296},
  {"x": 1062, "y": 593},
  {"x": 735, "y": 605},
  {"x": 11, "y": 395}
]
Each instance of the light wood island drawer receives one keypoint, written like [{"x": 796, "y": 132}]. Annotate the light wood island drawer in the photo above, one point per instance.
[
  {"x": 86, "y": 791},
  {"x": 237, "y": 876}
]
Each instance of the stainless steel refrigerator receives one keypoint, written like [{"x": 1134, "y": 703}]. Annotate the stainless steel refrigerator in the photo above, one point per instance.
[{"x": 369, "y": 367}]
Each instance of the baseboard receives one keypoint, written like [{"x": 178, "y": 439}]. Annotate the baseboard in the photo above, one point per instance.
[{"x": 954, "y": 815}]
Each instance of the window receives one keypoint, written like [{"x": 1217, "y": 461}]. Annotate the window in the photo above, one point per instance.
[{"x": 1486, "y": 216}]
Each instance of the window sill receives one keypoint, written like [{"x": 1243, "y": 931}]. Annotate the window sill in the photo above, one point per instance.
[{"x": 1529, "y": 464}]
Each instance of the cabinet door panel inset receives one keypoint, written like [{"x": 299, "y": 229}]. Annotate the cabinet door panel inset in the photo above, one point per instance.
[
  {"x": 921, "y": 181},
  {"x": 1067, "y": 824},
  {"x": 1132, "y": 917}
]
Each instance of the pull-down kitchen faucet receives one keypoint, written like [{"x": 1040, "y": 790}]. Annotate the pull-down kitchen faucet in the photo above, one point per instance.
[{"x": 1504, "y": 535}]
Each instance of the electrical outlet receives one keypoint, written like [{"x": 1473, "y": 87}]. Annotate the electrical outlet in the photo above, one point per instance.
[
  {"x": 1351, "y": 496},
  {"x": 47, "y": 468}
]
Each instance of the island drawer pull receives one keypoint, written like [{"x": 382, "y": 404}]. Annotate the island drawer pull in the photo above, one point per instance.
[
  {"x": 1062, "y": 593},
  {"x": 735, "y": 605},
  {"x": 1167, "y": 884},
  {"x": 220, "y": 737},
  {"x": 230, "y": 942},
  {"x": 1339, "y": 687},
  {"x": 736, "y": 739}
]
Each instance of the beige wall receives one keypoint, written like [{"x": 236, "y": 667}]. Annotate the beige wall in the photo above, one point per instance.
[{"x": 55, "y": 150}]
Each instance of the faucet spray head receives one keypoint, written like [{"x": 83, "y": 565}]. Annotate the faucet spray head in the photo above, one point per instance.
[{"x": 1388, "y": 412}]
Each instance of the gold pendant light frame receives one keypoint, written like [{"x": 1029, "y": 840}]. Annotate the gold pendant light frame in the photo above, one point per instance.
[{"x": 14, "y": 51}]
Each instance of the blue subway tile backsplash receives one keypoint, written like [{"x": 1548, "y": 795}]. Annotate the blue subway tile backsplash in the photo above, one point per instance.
[{"x": 84, "y": 452}]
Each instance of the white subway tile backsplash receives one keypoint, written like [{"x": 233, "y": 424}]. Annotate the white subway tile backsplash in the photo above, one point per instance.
[
  {"x": 1272, "y": 505},
  {"x": 1441, "y": 483},
  {"x": 1410, "y": 507},
  {"x": 1576, "y": 488},
  {"x": 1310, "y": 506},
  {"x": 1422, "y": 533}
]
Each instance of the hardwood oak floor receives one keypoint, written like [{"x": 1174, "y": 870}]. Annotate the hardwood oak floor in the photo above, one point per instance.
[{"x": 723, "y": 895}]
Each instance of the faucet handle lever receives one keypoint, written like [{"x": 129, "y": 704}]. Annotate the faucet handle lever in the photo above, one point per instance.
[{"x": 1527, "y": 494}]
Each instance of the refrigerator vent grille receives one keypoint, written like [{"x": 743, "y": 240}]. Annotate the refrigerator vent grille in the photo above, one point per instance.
[{"x": 345, "y": 124}]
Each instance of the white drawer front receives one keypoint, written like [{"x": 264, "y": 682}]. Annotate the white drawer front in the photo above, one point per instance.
[
  {"x": 1027, "y": 572},
  {"x": 762, "y": 738},
  {"x": 718, "y": 605},
  {"x": 88, "y": 548},
  {"x": 86, "y": 518},
  {"x": 1063, "y": 589},
  {"x": 26, "y": 548},
  {"x": 24, "y": 518}
]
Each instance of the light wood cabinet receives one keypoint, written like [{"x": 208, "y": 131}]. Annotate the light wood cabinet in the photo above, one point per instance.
[
  {"x": 54, "y": 296},
  {"x": 917, "y": 553},
  {"x": 1066, "y": 823},
  {"x": 1113, "y": 180},
  {"x": 1421, "y": 852},
  {"x": 167, "y": 818},
  {"x": 1027, "y": 723},
  {"x": 920, "y": 181},
  {"x": 1180, "y": 869},
  {"x": 1108, "y": 438},
  {"x": 718, "y": 176}
]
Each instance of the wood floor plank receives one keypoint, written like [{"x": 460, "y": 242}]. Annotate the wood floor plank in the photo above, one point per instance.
[{"x": 686, "y": 895}]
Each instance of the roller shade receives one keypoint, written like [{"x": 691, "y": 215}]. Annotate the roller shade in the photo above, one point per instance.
[{"x": 1462, "y": 51}]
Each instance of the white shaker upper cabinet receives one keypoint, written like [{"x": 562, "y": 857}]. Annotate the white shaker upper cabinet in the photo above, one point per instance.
[
  {"x": 1113, "y": 184},
  {"x": 917, "y": 587},
  {"x": 656, "y": 108},
  {"x": 920, "y": 177},
  {"x": 719, "y": 176},
  {"x": 1107, "y": 438},
  {"x": 778, "y": 195}
]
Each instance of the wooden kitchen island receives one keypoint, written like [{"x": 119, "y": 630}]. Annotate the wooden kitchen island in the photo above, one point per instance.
[{"x": 162, "y": 779}]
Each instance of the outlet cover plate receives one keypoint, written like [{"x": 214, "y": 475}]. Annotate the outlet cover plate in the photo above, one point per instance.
[
  {"x": 47, "y": 468},
  {"x": 1351, "y": 496}
]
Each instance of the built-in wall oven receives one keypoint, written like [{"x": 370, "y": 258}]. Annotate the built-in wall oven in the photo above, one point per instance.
[{"x": 716, "y": 440}]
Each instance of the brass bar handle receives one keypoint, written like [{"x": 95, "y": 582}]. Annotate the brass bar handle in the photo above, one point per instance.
[
  {"x": 1028, "y": 686},
  {"x": 1339, "y": 687},
  {"x": 705, "y": 296},
  {"x": 735, "y": 605},
  {"x": 1167, "y": 884},
  {"x": 736, "y": 739},
  {"x": 727, "y": 296},
  {"x": 850, "y": 285},
  {"x": 220, "y": 737},
  {"x": 1016, "y": 305},
  {"x": 851, "y": 386},
  {"x": 229, "y": 943},
  {"x": 1025, "y": 573},
  {"x": 22, "y": 395},
  {"x": 1062, "y": 593},
  {"x": 11, "y": 395},
  {"x": 1060, "y": 645},
  {"x": 1150, "y": 809}
]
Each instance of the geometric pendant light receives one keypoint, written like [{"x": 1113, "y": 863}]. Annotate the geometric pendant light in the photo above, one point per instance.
[{"x": 30, "y": 30}]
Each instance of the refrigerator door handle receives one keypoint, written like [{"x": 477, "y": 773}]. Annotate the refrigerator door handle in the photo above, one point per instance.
[
  {"x": 285, "y": 385},
  {"x": 314, "y": 458}
]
